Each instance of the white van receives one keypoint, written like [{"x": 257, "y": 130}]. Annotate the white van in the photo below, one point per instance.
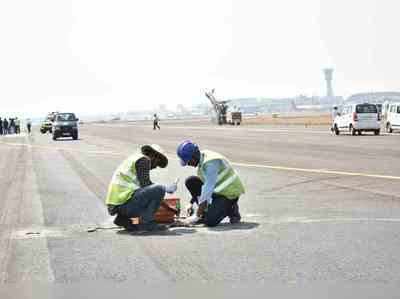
[
  {"x": 357, "y": 118},
  {"x": 392, "y": 121}
]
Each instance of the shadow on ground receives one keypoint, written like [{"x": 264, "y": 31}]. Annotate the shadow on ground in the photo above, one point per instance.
[
  {"x": 181, "y": 231},
  {"x": 167, "y": 233},
  {"x": 238, "y": 226},
  {"x": 65, "y": 139}
]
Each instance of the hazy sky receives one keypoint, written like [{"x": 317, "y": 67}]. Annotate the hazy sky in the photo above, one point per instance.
[{"x": 94, "y": 56}]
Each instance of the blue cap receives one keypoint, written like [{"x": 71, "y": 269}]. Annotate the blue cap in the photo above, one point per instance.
[{"x": 186, "y": 150}]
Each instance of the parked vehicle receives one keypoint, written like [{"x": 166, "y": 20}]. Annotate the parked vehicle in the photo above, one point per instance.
[
  {"x": 47, "y": 124},
  {"x": 65, "y": 125},
  {"x": 392, "y": 121},
  {"x": 358, "y": 118},
  {"x": 234, "y": 118}
]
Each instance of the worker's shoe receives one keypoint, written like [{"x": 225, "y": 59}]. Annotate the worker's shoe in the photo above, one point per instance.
[
  {"x": 126, "y": 223},
  {"x": 121, "y": 221},
  {"x": 201, "y": 221},
  {"x": 235, "y": 217}
]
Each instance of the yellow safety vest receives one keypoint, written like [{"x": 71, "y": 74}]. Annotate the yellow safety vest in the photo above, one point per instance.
[
  {"x": 124, "y": 181},
  {"x": 228, "y": 182}
]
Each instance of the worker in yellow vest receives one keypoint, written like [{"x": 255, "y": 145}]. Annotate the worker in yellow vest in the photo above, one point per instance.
[
  {"x": 131, "y": 193},
  {"x": 216, "y": 188}
]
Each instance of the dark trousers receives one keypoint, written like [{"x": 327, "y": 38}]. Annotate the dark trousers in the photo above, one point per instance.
[
  {"x": 1, "y": 130},
  {"x": 155, "y": 125},
  {"x": 144, "y": 203},
  {"x": 29, "y": 128},
  {"x": 220, "y": 207}
]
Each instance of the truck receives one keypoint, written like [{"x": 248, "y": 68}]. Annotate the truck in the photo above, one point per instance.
[
  {"x": 234, "y": 118},
  {"x": 65, "y": 125}
]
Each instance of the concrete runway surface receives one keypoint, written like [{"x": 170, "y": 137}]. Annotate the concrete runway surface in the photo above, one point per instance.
[{"x": 318, "y": 208}]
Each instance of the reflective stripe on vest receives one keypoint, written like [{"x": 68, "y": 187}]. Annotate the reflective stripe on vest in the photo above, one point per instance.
[
  {"x": 228, "y": 182},
  {"x": 124, "y": 181}
]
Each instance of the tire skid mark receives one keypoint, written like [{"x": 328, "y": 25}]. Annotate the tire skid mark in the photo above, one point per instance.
[
  {"x": 362, "y": 189},
  {"x": 158, "y": 264},
  {"x": 16, "y": 172},
  {"x": 329, "y": 181},
  {"x": 160, "y": 258},
  {"x": 303, "y": 182},
  {"x": 55, "y": 148},
  {"x": 31, "y": 258},
  {"x": 93, "y": 183}
]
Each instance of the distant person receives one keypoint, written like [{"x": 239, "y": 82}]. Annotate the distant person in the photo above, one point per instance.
[
  {"x": 335, "y": 113},
  {"x": 5, "y": 126},
  {"x": 28, "y": 125},
  {"x": 17, "y": 126},
  {"x": 156, "y": 120},
  {"x": 1, "y": 126},
  {"x": 11, "y": 126}
]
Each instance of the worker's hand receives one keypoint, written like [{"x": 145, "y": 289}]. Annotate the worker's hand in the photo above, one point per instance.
[
  {"x": 202, "y": 208},
  {"x": 191, "y": 220},
  {"x": 171, "y": 188},
  {"x": 189, "y": 210}
]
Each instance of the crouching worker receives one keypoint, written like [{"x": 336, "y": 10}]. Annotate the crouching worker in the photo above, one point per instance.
[
  {"x": 131, "y": 194},
  {"x": 216, "y": 189}
]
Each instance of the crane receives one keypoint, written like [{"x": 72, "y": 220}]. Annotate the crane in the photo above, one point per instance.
[{"x": 220, "y": 107}]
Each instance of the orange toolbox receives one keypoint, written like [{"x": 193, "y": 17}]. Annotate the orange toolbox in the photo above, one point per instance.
[{"x": 168, "y": 211}]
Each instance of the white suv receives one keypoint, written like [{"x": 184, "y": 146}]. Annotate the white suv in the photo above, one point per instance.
[
  {"x": 392, "y": 120},
  {"x": 357, "y": 118}
]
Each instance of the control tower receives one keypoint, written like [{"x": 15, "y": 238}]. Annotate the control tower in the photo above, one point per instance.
[{"x": 328, "y": 78}]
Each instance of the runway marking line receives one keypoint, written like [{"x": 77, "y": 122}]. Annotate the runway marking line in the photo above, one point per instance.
[
  {"x": 274, "y": 167},
  {"x": 320, "y": 171},
  {"x": 283, "y": 130},
  {"x": 318, "y": 220},
  {"x": 242, "y": 129}
]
